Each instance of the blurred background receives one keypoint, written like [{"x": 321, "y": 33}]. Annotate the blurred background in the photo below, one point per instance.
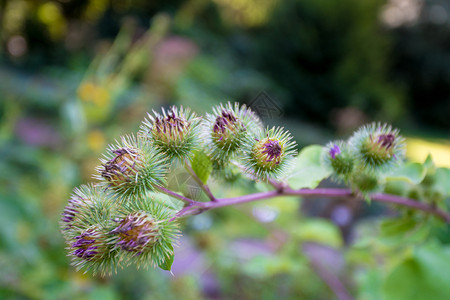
[{"x": 75, "y": 75}]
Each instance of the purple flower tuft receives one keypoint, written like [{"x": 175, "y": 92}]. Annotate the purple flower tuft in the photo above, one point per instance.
[
  {"x": 170, "y": 126},
  {"x": 225, "y": 121},
  {"x": 85, "y": 245},
  {"x": 136, "y": 232},
  {"x": 272, "y": 150},
  {"x": 76, "y": 202},
  {"x": 122, "y": 167},
  {"x": 386, "y": 140},
  {"x": 334, "y": 151}
]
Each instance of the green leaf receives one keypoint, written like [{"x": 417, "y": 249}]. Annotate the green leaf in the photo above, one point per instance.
[
  {"x": 443, "y": 180},
  {"x": 428, "y": 163},
  {"x": 167, "y": 263},
  {"x": 398, "y": 226},
  {"x": 320, "y": 231},
  {"x": 424, "y": 275},
  {"x": 369, "y": 285},
  {"x": 309, "y": 171},
  {"x": 202, "y": 166},
  {"x": 410, "y": 172}
]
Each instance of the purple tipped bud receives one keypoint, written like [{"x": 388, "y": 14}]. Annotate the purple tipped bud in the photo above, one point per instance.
[
  {"x": 272, "y": 149},
  {"x": 171, "y": 127},
  {"x": 85, "y": 245},
  {"x": 136, "y": 232},
  {"x": 269, "y": 152},
  {"x": 226, "y": 127},
  {"x": 386, "y": 140},
  {"x": 76, "y": 203},
  {"x": 378, "y": 146},
  {"x": 123, "y": 167},
  {"x": 334, "y": 151}
]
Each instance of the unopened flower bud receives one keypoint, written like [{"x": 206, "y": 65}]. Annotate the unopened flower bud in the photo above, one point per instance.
[
  {"x": 132, "y": 167},
  {"x": 378, "y": 146},
  {"x": 137, "y": 232},
  {"x": 144, "y": 232},
  {"x": 173, "y": 133},
  {"x": 123, "y": 167},
  {"x": 338, "y": 157},
  {"x": 227, "y": 129},
  {"x": 84, "y": 201},
  {"x": 271, "y": 155},
  {"x": 90, "y": 251}
]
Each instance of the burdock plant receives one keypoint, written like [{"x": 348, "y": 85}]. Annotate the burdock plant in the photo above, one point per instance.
[
  {"x": 173, "y": 133},
  {"x": 270, "y": 155},
  {"x": 339, "y": 159},
  {"x": 378, "y": 146},
  {"x": 227, "y": 129},
  {"x": 130, "y": 216},
  {"x": 132, "y": 167}
]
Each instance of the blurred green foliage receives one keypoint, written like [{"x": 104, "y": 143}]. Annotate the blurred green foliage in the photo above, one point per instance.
[{"x": 74, "y": 75}]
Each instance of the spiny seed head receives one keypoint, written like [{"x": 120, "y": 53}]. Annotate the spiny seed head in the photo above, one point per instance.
[
  {"x": 144, "y": 232},
  {"x": 170, "y": 128},
  {"x": 84, "y": 222},
  {"x": 378, "y": 146},
  {"x": 87, "y": 205},
  {"x": 365, "y": 181},
  {"x": 173, "y": 133},
  {"x": 123, "y": 167},
  {"x": 271, "y": 155},
  {"x": 338, "y": 157},
  {"x": 136, "y": 232},
  {"x": 227, "y": 128},
  {"x": 132, "y": 167},
  {"x": 90, "y": 250}
]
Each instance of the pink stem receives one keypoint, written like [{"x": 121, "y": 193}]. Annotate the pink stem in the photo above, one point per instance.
[{"x": 326, "y": 192}]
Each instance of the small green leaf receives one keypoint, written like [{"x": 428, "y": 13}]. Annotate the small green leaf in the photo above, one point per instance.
[
  {"x": 424, "y": 275},
  {"x": 309, "y": 171},
  {"x": 319, "y": 231},
  {"x": 167, "y": 263},
  {"x": 202, "y": 165},
  {"x": 410, "y": 172},
  {"x": 398, "y": 226},
  {"x": 428, "y": 163},
  {"x": 443, "y": 180}
]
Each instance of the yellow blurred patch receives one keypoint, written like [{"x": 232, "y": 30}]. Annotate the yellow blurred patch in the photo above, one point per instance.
[
  {"x": 96, "y": 140},
  {"x": 99, "y": 95},
  {"x": 50, "y": 14},
  {"x": 85, "y": 91},
  {"x": 418, "y": 150},
  {"x": 246, "y": 12}
]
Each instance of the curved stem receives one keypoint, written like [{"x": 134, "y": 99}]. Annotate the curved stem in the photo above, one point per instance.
[
  {"x": 327, "y": 192},
  {"x": 387, "y": 198},
  {"x": 175, "y": 195}
]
